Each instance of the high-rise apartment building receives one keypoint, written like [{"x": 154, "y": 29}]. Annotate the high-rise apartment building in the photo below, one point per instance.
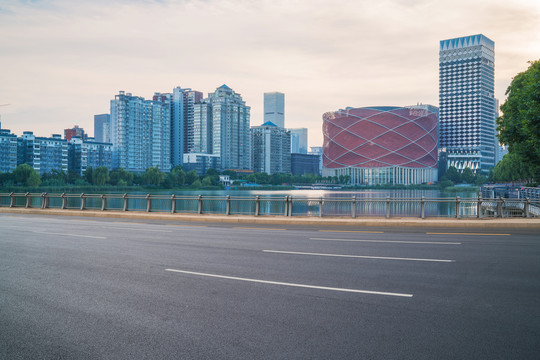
[
  {"x": 140, "y": 133},
  {"x": 43, "y": 154},
  {"x": 299, "y": 138},
  {"x": 274, "y": 108},
  {"x": 467, "y": 102},
  {"x": 84, "y": 154},
  {"x": 8, "y": 151},
  {"x": 221, "y": 127},
  {"x": 271, "y": 146},
  {"x": 102, "y": 130}
]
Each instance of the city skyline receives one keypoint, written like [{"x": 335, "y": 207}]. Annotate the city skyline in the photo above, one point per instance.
[{"x": 73, "y": 57}]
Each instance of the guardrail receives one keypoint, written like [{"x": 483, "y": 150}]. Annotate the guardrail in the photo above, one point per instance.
[{"x": 283, "y": 205}]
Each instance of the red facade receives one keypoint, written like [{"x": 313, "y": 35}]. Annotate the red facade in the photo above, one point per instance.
[{"x": 380, "y": 137}]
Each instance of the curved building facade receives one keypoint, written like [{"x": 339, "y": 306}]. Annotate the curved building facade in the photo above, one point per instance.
[{"x": 381, "y": 145}]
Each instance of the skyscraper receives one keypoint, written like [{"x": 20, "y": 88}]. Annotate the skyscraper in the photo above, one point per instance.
[
  {"x": 274, "y": 108},
  {"x": 467, "y": 102},
  {"x": 221, "y": 127},
  {"x": 102, "y": 130},
  {"x": 140, "y": 133},
  {"x": 181, "y": 103},
  {"x": 271, "y": 149}
]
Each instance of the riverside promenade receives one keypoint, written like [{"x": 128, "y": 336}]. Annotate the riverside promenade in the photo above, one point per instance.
[{"x": 483, "y": 223}]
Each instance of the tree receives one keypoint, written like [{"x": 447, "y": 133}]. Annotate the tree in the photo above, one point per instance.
[
  {"x": 453, "y": 175},
  {"x": 467, "y": 175},
  {"x": 34, "y": 179},
  {"x": 207, "y": 181},
  {"x": 24, "y": 174},
  {"x": 100, "y": 176},
  {"x": 511, "y": 168},
  {"x": 153, "y": 176},
  {"x": 191, "y": 177},
  {"x": 519, "y": 126},
  {"x": 176, "y": 177},
  {"x": 120, "y": 174},
  {"x": 88, "y": 175}
]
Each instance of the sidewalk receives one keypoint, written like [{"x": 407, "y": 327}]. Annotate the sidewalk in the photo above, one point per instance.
[{"x": 491, "y": 223}]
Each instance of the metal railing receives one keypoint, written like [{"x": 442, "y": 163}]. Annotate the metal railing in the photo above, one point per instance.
[{"x": 281, "y": 205}]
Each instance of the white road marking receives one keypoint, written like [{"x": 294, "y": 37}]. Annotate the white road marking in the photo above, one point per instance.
[
  {"x": 76, "y": 235},
  {"x": 135, "y": 228},
  {"x": 255, "y": 228},
  {"x": 391, "y": 241},
  {"x": 353, "y": 231},
  {"x": 480, "y": 234},
  {"x": 357, "y": 256},
  {"x": 291, "y": 284}
]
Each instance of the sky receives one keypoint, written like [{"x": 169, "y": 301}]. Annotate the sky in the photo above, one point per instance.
[{"x": 62, "y": 61}]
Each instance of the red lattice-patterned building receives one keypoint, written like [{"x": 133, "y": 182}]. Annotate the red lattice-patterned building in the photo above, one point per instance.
[{"x": 381, "y": 145}]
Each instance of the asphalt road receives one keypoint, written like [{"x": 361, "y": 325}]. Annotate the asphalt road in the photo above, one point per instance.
[{"x": 77, "y": 288}]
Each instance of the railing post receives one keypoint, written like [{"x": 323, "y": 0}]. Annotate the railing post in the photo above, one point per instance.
[
  {"x": 83, "y": 202},
  {"x": 126, "y": 202},
  {"x": 353, "y": 207},
  {"x": 499, "y": 207},
  {"x": 422, "y": 208},
  {"x": 257, "y": 205},
  {"x": 526, "y": 207},
  {"x": 46, "y": 198},
  {"x": 148, "y": 203},
  {"x": 457, "y": 207},
  {"x": 479, "y": 207},
  {"x": 103, "y": 202},
  {"x": 286, "y": 206},
  {"x": 64, "y": 201},
  {"x": 290, "y": 206},
  {"x": 173, "y": 203},
  {"x": 388, "y": 207},
  {"x": 43, "y": 197},
  {"x": 12, "y": 198},
  {"x": 28, "y": 200},
  {"x": 228, "y": 205},
  {"x": 320, "y": 207},
  {"x": 199, "y": 209}
]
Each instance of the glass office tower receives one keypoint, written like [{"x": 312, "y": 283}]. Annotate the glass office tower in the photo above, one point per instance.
[{"x": 467, "y": 102}]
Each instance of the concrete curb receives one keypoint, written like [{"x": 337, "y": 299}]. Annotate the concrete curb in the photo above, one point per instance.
[{"x": 484, "y": 223}]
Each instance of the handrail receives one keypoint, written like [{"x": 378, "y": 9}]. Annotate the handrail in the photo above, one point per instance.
[{"x": 353, "y": 206}]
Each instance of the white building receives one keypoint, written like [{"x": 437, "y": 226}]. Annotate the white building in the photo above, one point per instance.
[
  {"x": 140, "y": 133},
  {"x": 271, "y": 149},
  {"x": 221, "y": 127}
]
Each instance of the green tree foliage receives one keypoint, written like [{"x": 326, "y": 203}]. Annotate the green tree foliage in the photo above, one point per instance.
[
  {"x": 176, "y": 177},
  {"x": 87, "y": 175},
  {"x": 453, "y": 175},
  {"x": 153, "y": 176},
  {"x": 191, "y": 177},
  {"x": 207, "y": 181},
  {"x": 467, "y": 176},
  {"x": 512, "y": 168},
  {"x": 23, "y": 173},
  {"x": 120, "y": 174},
  {"x": 519, "y": 126},
  {"x": 100, "y": 176}
]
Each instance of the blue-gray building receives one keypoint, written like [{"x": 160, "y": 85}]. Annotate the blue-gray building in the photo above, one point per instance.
[
  {"x": 89, "y": 153},
  {"x": 8, "y": 151},
  {"x": 102, "y": 128},
  {"x": 43, "y": 154},
  {"x": 303, "y": 164},
  {"x": 140, "y": 133},
  {"x": 467, "y": 103}
]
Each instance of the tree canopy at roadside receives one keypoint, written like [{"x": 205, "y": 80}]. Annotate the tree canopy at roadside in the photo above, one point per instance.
[{"x": 519, "y": 126}]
